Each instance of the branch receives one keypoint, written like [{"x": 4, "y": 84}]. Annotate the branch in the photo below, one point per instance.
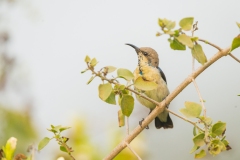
[
  {"x": 163, "y": 104},
  {"x": 201, "y": 99},
  {"x": 139, "y": 158},
  {"x": 234, "y": 57},
  {"x": 211, "y": 44},
  {"x": 217, "y": 47}
]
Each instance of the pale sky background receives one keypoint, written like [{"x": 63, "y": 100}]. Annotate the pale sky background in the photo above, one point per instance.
[{"x": 50, "y": 38}]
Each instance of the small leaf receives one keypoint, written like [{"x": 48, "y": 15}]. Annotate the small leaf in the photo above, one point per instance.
[
  {"x": 121, "y": 118},
  {"x": 63, "y": 128},
  {"x": 43, "y": 143},
  {"x": 186, "y": 40},
  {"x": 111, "y": 99},
  {"x": 238, "y": 24},
  {"x": 216, "y": 146},
  {"x": 186, "y": 23},
  {"x": 90, "y": 80},
  {"x": 198, "y": 54},
  {"x": 198, "y": 140},
  {"x": 93, "y": 62},
  {"x": 201, "y": 154},
  {"x": 158, "y": 34},
  {"x": 127, "y": 104},
  {"x": 170, "y": 25},
  {"x": 218, "y": 128},
  {"x": 141, "y": 84},
  {"x": 176, "y": 45},
  {"x": 194, "y": 149},
  {"x": 191, "y": 110},
  {"x": 62, "y": 148},
  {"x": 207, "y": 120},
  {"x": 84, "y": 71},
  {"x": 104, "y": 91},
  {"x": 125, "y": 73},
  {"x": 194, "y": 38},
  {"x": 161, "y": 23},
  {"x": 110, "y": 69},
  {"x": 194, "y": 131},
  {"x": 87, "y": 59},
  {"x": 235, "y": 43}
]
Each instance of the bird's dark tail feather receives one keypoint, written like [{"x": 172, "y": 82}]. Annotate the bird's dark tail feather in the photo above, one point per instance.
[{"x": 159, "y": 124}]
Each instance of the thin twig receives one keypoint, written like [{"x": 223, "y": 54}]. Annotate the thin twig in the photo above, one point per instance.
[
  {"x": 200, "y": 97},
  {"x": 162, "y": 105},
  {"x": 211, "y": 44},
  {"x": 139, "y": 158},
  {"x": 127, "y": 126},
  {"x": 234, "y": 57},
  {"x": 185, "y": 119}
]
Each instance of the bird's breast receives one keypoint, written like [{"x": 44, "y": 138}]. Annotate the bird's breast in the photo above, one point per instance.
[{"x": 151, "y": 74}]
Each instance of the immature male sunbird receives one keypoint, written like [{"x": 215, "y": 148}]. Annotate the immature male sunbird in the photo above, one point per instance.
[{"x": 150, "y": 71}]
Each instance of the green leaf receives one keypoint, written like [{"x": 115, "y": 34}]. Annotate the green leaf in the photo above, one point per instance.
[
  {"x": 235, "y": 43},
  {"x": 198, "y": 140},
  {"x": 225, "y": 142},
  {"x": 218, "y": 128},
  {"x": 62, "y": 148},
  {"x": 141, "y": 84},
  {"x": 198, "y": 54},
  {"x": 104, "y": 91},
  {"x": 121, "y": 118},
  {"x": 194, "y": 131},
  {"x": 176, "y": 45},
  {"x": 216, "y": 146},
  {"x": 93, "y": 62},
  {"x": 84, "y": 71},
  {"x": 127, "y": 104},
  {"x": 43, "y": 143},
  {"x": 111, "y": 99},
  {"x": 10, "y": 148},
  {"x": 87, "y": 59},
  {"x": 201, "y": 154},
  {"x": 63, "y": 129},
  {"x": 186, "y": 23},
  {"x": 191, "y": 110},
  {"x": 161, "y": 23},
  {"x": 110, "y": 69},
  {"x": 170, "y": 25},
  {"x": 194, "y": 149},
  {"x": 186, "y": 40},
  {"x": 90, "y": 80},
  {"x": 238, "y": 24},
  {"x": 125, "y": 73},
  {"x": 206, "y": 120},
  {"x": 194, "y": 39}
]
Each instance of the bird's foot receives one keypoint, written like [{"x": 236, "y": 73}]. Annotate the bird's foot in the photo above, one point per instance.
[{"x": 140, "y": 123}]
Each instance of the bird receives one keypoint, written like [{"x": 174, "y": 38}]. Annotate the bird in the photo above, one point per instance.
[{"x": 148, "y": 68}]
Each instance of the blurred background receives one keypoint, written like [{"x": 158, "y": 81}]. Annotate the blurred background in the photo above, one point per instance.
[{"x": 43, "y": 44}]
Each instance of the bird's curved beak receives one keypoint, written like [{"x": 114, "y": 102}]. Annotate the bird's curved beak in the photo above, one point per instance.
[{"x": 135, "y": 47}]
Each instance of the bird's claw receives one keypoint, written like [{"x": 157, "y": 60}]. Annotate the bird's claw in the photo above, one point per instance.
[{"x": 140, "y": 123}]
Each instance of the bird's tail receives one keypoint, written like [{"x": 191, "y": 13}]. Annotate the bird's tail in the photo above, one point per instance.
[{"x": 159, "y": 124}]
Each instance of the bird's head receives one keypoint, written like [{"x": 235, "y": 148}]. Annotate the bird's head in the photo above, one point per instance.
[{"x": 146, "y": 56}]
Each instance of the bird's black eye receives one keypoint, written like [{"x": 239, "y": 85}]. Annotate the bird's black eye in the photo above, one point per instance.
[{"x": 145, "y": 53}]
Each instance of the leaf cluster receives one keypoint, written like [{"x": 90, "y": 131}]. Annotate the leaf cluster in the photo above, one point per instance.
[
  {"x": 212, "y": 136},
  {"x": 180, "y": 40},
  {"x": 62, "y": 141}
]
